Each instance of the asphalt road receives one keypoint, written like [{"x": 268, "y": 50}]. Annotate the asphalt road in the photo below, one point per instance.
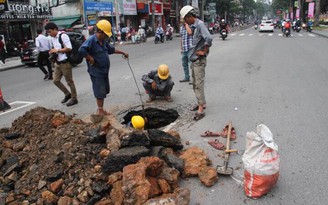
[{"x": 274, "y": 80}]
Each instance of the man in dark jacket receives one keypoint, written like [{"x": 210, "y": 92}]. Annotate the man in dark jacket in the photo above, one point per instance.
[{"x": 158, "y": 83}]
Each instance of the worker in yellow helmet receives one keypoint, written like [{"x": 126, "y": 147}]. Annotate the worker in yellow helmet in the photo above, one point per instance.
[
  {"x": 158, "y": 83},
  {"x": 138, "y": 122},
  {"x": 96, "y": 50}
]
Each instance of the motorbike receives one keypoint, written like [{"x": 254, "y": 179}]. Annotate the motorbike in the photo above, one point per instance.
[
  {"x": 297, "y": 29},
  {"x": 159, "y": 37},
  {"x": 141, "y": 39},
  {"x": 168, "y": 36},
  {"x": 287, "y": 32},
  {"x": 256, "y": 26},
  {"x": 210, "y": 29},
  {"x": 224, "y": 34},
  {"x": 309, "y": 28}
]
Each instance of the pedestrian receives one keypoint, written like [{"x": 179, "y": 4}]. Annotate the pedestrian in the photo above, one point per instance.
[
  {"x": 186, "y": 44},
  {"x": 2, "y": 51},
  {"x": 43, "y": 45},
  {"x": 158, "y": 83},
  {"x": 202, "y": 40},
  {"x": 96, "y": 50},
  {"x": 58, "y": 54}
]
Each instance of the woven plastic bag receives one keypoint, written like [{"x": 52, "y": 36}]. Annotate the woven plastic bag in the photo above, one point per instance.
[{"x": 261, "y": 162}]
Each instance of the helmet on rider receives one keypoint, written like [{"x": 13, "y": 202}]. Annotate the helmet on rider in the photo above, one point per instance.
[
  {"x": 138, "y": 122},
  {"x": 168, "y": 25},
  {"x": 163, "y": 71},
  {"x": 185, "y": 10},
  {"x": 139, "y": 26},
  {"x": 223, "y": 21},
  {"x": 105, "y": 26}
]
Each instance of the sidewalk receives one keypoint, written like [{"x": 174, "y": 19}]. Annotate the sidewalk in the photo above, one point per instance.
[
  {"x": 323, "y": 33},
  {"x": 11, "y": 63}
]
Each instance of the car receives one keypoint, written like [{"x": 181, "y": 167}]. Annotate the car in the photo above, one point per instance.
[
  {"x": 266, "y": 25},
  {"x": 29, "y": 55}
]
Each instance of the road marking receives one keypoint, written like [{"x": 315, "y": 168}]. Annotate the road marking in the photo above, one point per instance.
[
  {"x": 233, "y": 34},
  {"x": 270, "y": 34},
  {"x": 250, "y": 34},
  {"x": 19, "y": 107},
  {"x": 312, "y": 35},
  {"x": 300, "y": 34},
  {"x": 279, "y": 34},
  {"x": 242, "y": 34}
]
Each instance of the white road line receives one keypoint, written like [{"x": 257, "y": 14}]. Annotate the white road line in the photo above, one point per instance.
[
  {"x": 312, "y": 35},
  {"x": 250, "y": 34},
  {"x": 279, "y": 34},
  {"x": 270, "y": 34},
  {"x": 242, "y": 34},
  {"x": 300, "y": 34},
  {"x": 233, "y": 34},
  {"x": 17, "y": 108}
]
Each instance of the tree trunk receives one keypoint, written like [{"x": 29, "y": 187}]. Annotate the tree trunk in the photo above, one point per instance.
[{"x": 317, "y": 13}]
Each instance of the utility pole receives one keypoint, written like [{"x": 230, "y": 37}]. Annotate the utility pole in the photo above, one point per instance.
[
  {"x": 153, "y": 15},
  {"x": 117, "y": 15}
]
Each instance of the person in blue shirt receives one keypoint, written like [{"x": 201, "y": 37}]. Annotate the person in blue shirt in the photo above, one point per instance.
[{"x": 96, "y": 50}]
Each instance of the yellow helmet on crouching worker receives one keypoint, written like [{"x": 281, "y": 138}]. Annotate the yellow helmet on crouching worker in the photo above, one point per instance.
[
  {"x": 138, "y": 122},
  {"x": 163, "y": 71},
  {"x": 105, "y": 26}
]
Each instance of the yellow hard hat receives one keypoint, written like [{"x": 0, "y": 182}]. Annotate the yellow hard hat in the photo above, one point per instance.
[
  {"x": 138, "y": 122},
  {"x": 105, "y": 26},
  {"x": 163, "y": 71}
]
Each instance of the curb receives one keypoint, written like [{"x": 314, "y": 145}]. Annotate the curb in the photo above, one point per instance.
[
  {"x": 11, "y": 67},
  {"x": 319, "y": 34}
]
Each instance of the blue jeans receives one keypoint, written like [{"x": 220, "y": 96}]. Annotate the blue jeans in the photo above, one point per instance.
[{"x": 185, "y": 63}]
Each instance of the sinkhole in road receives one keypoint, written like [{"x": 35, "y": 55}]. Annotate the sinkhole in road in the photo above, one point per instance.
[{"x": 156, "y": 118}]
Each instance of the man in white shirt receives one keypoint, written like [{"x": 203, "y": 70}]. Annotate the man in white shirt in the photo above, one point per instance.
[
  {"x": 43, "y": 45},
  {"x": 62, "y": 65}
]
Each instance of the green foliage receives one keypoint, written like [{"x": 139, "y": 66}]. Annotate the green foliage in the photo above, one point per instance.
[{"x": 280, "y": 4}]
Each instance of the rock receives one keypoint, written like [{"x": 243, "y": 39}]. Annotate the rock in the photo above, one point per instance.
[
  {"x": 19, "y": 146},
  {"x": 208, "y": 176},
  {"x": 49, "y": 197},
  {"x": 96, "y": 135},
  {"x": 83, "y": 196},
  {"x": 179, "y": 197},
  {"x": 113, "y": 141},
  {"x": 136, "y": 187},
  {"x": 41, "y": 184},
  {"x": 10, "y": 198},
  {"x": 174, "y": 161},
  {"x": 119, "y": 159},
  {"x": 94, "y": 199},
  {"x": 94, "y": 118},
  {"x": 54, "y": 175},
  {"x": 100, "y": 187},
  {"x": 155, "y": 189},
  {"x": 187, "y": 142},
  {"x": 174, "y": 133},
  {"x": 12, "y": 136},
  {"x": 171, "y": 175},
  {"x": 104, "y": 201},
  {"x": 14, "y": 167},
  {"x": 114, "y": 178},
  {"x": 154, "y": 165},
  {"x": 182, "y": 196},
  {"x": 56, "y": 186},
  {"x": 194, "y": 160},
  {"x": 104, "y": 153},
  {"x": 136, "y": 138},
  {"x": 156, "y": 151},
  {"x": 65, "y": 200},
  {"x": 161, "y": 138},
  {"x": 117, "y": 194},
  {"x": 59, "y": 119},
  {"x": 165, "y": 187},
  {"x": 13, "y": 176}
]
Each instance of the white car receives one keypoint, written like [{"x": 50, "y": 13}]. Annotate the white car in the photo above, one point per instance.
[{"x": 266, "y": 25}]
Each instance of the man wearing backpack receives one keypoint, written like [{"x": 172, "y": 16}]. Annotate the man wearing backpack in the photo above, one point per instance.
[
  {"x": 58, "y": 55},
  {"x": 96, "y": 50}
]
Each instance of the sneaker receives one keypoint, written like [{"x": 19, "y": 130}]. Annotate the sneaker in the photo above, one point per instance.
[
  {"x": 66, "y": 98},
  {"x": 72, "y": 102},
  {"x": 46, "y": 77},
  {"x": 184, "y": 80}
]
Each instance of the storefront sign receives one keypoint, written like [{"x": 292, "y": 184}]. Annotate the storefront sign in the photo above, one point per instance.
[
  {"x": 129, "y": 7},
  {"x": 24, "y": 11},
  {"x": 3, "y": 5},
  {"x": 91, "y": 19},
  {"x": 98, "y": 6},
  {"x": 158, "y": 8}
]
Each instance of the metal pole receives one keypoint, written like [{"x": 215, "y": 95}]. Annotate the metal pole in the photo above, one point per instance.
[
  {"x": 117, "y": 15},
  {"x": 153, "y": 15}
]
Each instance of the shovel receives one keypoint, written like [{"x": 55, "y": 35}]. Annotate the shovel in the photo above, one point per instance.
[{"x": 225, "y": 170}]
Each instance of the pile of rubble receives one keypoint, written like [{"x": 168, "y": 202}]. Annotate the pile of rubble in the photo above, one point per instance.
[{"x": 47, "y": 157}]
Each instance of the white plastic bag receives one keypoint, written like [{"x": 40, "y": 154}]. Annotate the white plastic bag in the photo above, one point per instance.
[{"x": 261, "y": 162}]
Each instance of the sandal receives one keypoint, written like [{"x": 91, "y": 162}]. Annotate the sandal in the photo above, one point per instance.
[
  {"x": 103, "y": 112},
  {"x": 208, "y": 133},
  {"x": 195, "y": 108},
  {"x": 199, "y": 116},
  {"x": 217, "y": 144},
  {"x": 224, "y": 133}
]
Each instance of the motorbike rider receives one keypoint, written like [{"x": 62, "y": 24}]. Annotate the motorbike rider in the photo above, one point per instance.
[
  {"x": 309, "y": 25},
  {"x": 223, "y": 25},
  {"x": 169, "y": 30},
  {"x": 141, "y": 32},
  {"x": 283, "y": 26},
  {"x": 298, "y": 23},
  {"x": 287, "y": 26},
  {"x": 160, "y": 31}
]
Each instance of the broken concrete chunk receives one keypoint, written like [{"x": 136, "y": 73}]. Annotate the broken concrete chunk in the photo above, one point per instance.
[
  {"x": 174, "y": 161},
  {"x": 135, "y": 139},
  {"x": 161, "y": 138}
]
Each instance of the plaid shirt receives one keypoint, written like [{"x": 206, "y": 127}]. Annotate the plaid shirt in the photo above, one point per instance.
[{"x": 186, "y": 39}]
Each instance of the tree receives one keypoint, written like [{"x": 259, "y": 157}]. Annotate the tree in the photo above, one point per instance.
[{"x": 317, "y": 13}]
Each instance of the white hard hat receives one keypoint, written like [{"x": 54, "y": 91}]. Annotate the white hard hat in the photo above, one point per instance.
[
  {"x": 185, "y": 10},
  {"x": 168, "y": 25}
]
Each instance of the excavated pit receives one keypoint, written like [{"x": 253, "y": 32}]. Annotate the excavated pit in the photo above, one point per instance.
[{"x": 156, "y": 118}]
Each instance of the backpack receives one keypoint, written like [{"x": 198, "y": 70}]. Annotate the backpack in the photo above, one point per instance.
[
  {"x": 72, "y": 56},
  {"x": 287, "y": 25}
]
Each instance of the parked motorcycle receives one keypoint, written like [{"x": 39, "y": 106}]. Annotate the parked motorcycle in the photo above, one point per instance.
[
  {"x": 224, "y": 34},
  {"x": 159, "y": 38},
  {"x": 169, "y": 36}
]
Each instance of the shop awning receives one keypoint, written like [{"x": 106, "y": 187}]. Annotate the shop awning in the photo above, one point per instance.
[{"x": 65, "y": 22}]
